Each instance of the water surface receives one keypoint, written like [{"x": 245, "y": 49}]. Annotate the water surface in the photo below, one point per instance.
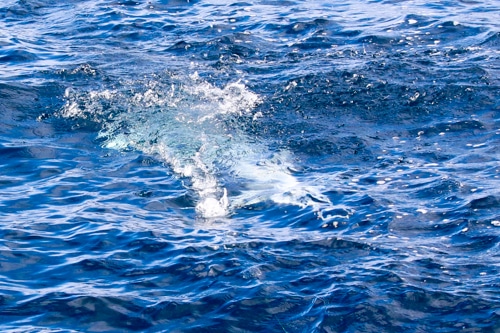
[{"x": 261, "y": 166}]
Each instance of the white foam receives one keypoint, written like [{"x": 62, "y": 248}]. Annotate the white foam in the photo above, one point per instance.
[
  {"x": 211, "y": 207},
  {"x": 272, "y": 179},
  {"x": 188, "y": 125}
]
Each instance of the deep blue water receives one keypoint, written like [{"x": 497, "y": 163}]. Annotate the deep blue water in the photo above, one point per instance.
[{"x": 260, "y": 166}]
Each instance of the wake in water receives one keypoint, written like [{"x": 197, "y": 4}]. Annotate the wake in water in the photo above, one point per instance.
[{"x": 198, "y": 130}]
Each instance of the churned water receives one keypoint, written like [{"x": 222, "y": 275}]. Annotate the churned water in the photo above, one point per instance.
[{"x": 259, "y": 166}]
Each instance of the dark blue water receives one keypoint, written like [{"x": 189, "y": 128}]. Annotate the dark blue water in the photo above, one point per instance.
[{"x": 260, "y": 166}]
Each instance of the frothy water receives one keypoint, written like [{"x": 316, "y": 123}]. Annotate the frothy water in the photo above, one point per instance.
[{"x": 198, "y": 130}]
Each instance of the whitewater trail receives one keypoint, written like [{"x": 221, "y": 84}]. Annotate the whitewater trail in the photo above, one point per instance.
[{"x": 195, "y": 128}]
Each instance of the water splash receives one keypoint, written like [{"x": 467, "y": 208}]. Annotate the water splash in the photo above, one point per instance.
[{"x": 198, "y": 129}]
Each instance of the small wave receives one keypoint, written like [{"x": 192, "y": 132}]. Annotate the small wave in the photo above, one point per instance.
[{"x": 16, "y": 56}]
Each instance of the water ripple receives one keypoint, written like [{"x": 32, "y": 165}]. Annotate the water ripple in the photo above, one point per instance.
[{"x": 355, "y": 144}]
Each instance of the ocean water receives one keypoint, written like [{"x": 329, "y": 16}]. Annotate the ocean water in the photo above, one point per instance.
[{"x": 258, "y": 166}]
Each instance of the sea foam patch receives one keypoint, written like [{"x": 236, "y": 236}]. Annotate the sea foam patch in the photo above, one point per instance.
[{"x": 198, "y": 129}]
